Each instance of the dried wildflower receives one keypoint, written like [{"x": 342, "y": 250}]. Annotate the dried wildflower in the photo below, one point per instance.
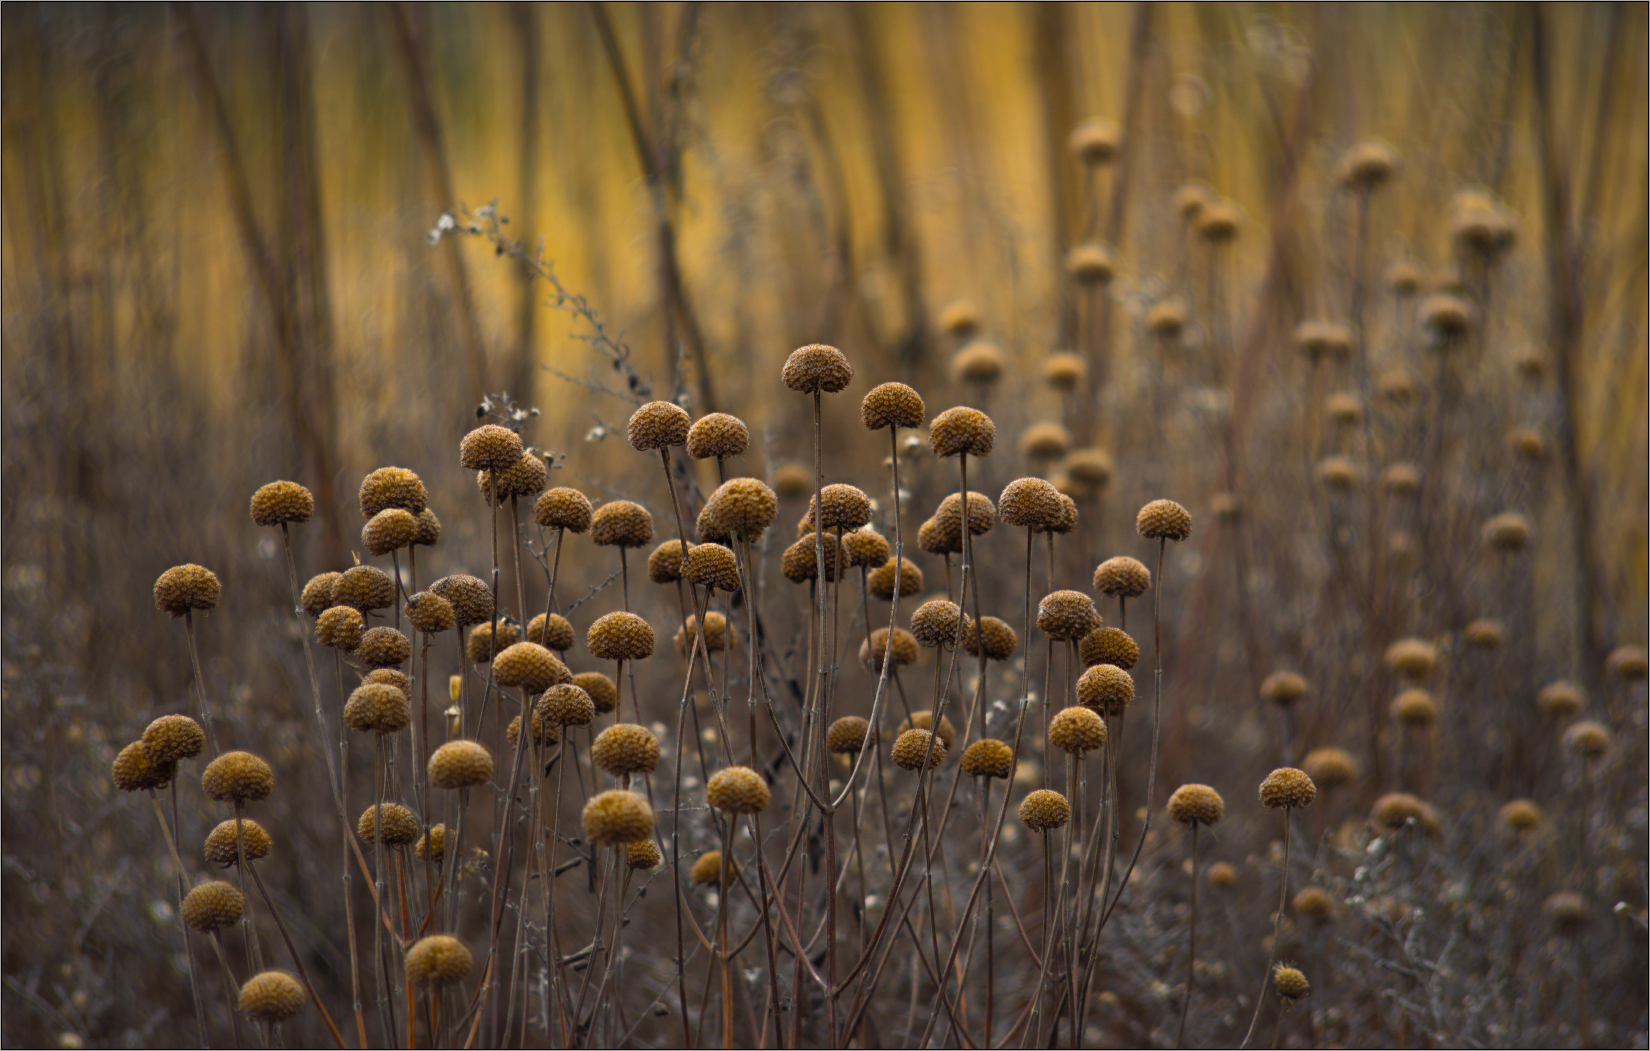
[
  {"x": 1330, "y": 767},
  {"x": 1031, "y": 503},
  {"x": 936, "y": 622},
  {"x": 429, "y": 529},
  {"x": 316, "y": 597},
  {"x": 1628, "y": 663},
  {"x": 604, "y": 694},
  {"x": 364, "y": 587},
  {"x": 1521, "y": 815},
  {"x": 1414, "y": 657},
  {"x": 643, "y": 854},
  {"x": 398, "y": 824},
  {"x": 544, "y": 731},
  {"x": 1314, "y": 903},
  {"x": 239, "y": 776},
  {"x": 490, "y": 448},
  {"x": 1366, "y": 166},
  {"x": 1287, "y": 787},
  {"x": 529, "y": 666},
  {"x": 526, "y": 477},
  {"x": 1044, "y": 810},
  {"x": 866, "y": 547},
  {"x": 377, "y": 708},
  {"x": 460, "y": 764},
  {"x": 222, "y": 844},
  {"x": 340, "y": 627},
  {"x": 716, "y": 633},
  {"x": 708, "y": 869},
  {"x": 1397, "y": 809},
  {"x": 1163, "y": 520},
  {"x": 471, "y": 599},
  {"x": 1064, "y": 371},
  {"x": 571, "y": 704},
  {"x": 712, "y": 566},
  {"x": 391, "y": 677},
  {"x": 484, "y": 642},
  {"x": 1414, "y": 707},
  {"x": 185, "y": 588},
  {"x": 1222, "y": 875},
  {"x": 817, "y": 368},
  {"x": 658, "y": 425},
  {"x": 1106, "y": 688},
  {"x": 1483, "y": 634},
  {"x": 272, "y": 997},
  {"x": 1166, "y": 318},
  {"x": 1067, "y": 615},
  {"x": 1091, "y": 264},
  {"x": 1218, "y": 223},
  {"x": 881, "y": 580},
  {"x": 1095, "y": 141},
  {"x": 1077, "y": 730},
  {"x": 171, "y": 738},
  {"x": 977, "y": 362},
  {"x": 911, "y": 748},
  {"x": 845, "y": 506},
  {"x": 439, "y": 960},
  {"x": 792, "y": 479},
  {"x": 553, "y": 632},
  {"x": 800, "y": 561},
  {"x": 741, "y": 508},
  {"x": 1588, "y": 740},
  {"x": 901, "y": 648},
  {"x": 621, "y": 523},
  {"x": 1337, "y": 472},
  {"x": 382, "y": 647},
  {"x": 664, "y": 565},
  {"x": 1448, "y": 315},
  {"x": 1122, "y": 577},
  {"x": 620, "y": 636},
  {"x": 134, "y": 771},
  {"x": 1196, "y": 804},
  {"x": 1291, "y": 984},
  {"x": 987, "y": 757},
  {"x": 625, "y": 748},
  {"x": 1403, "y": 278},
  {"x": 563, "y": 508},
  {"x": 1396, "y": 386},
  {"x": 848, "y": 735},
  {"x": 432, "y": 845},
  {"x": 1000, "y": 640},
  {"x": 717, "y": 434},
  {"x": 924, "y": 720},
  {"x": 1044, "y": 441},
  {"x": 212, "y": 906},
  {"x": 1566, "y": 908},
  {"x": 392, "y": 487},
  {"x": 1507, "y": 532},
  {"x": 280, "y": 502},
  {"x": 1112, "y": 646},
  {"x": 738, "y": 790},
  {"x": 962, "y": 431},
  {"x": 1283, "y": 688}
]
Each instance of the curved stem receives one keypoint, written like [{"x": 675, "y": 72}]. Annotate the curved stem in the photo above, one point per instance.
[{"x": 1277, "y": 923}]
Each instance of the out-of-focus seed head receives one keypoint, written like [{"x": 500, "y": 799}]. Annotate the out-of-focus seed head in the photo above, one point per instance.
[
  {"x": 800, "y": 562},
  {"x": 432, "y": 845},
  {"x": 1404, "y": 479},
  {"x": 1001, "y": 641},
  {"x": 866, "y": 547},
  {"x": 390, "y": 487},
  {"x": 316, "y": 597},
  {"x": 1344, "y": 409},
  {"x": 554, "y": 632},
  {"x": 931, "y": 539},
  {"x": 1483, "y": 634},
  {"x": 978, "y": 362},
  {"x": 1067, "y": 615},
  {"x": 430, "y": 613},
  {"x": 621, "y": 523},
  {"x": 1192, "y": 197},
  {"x": 490, "y": 447},
  {"x": 375, "y": 707},
  {"x": 222, "y": 849},
  {"x": 544, "y": 731},
  {"x": 1218, "y": 223},
  {"x": 742, "y": 508},
  {"x": 1566, "y": 908},
  {"x": 439, "y": 960},
  {"x": 239, "y": 776},
  {"x": 1112, "y": 646},
  {"x": 1330, "y": 767},
  {"x": 962, "y": 431},
  {"x": 936, "y": 622},
  {"x": 817, "y": 368},
  {"x": 1527, "y": 443},
  {"x": 1628, "y": 663},
  {"x": 1163, "y": 520},
  {"x": 171, "y": 738},
  {"x": 1414, "y": 657},
  {"x": 1287, "y": 787},
  {"x": 1315, "y": 904},
  {"x": 272, "y": 997},
  {"x": 1283, "y": 688},
  {"x": 1106, "y": 688},
  {"x": 134, "y": 771},
  {"x": 620, "y": 636},
  {"x": 625, "y": 748},
  {"x": 1091, "y": 264},
  {"x": 881, "y": 580},
  {"x": 383, "y": 647},
  {"x": 987, "y": 757},
  {"x": 1291, "y": 984},
  {"x": 1196, "y": 805},
  {"x": 527, "y": 477},
  {"x": 708, "y": 869},
  {"x": 1396, "y": 386},
  {"x": 1414, "y": 708},
  {"x": 604, "y": 693},
  {"x": 529, "y": 666},
  {"x": 1507, "y": 532},
  {"x": 794, "y": 479},
  {"x": 1077, "y": 730},
  {"x": 571, "y": 704},
  {"x": 1044, "y": 810},
  {"x": 658, "y": 425},
  {"x": 1403, "y": 278},
  {"x": 718, "y": 434},
  {"x": 563, "y": 508},
  {"x": 483, "y": 643},
  {"x": 912, "y": 747},
  {"x": 1065, "y": 371},
  {"x": 1095, "y": 141},
  {"x": 460, "y": 764},
  {"x": 643, "y": 854},
  {"x": 1030, "y": 503},
  {"x": 710, "y": 528},
  {"x": 471, "y": 599},
  {"x": 183, "y": 589},
  {"x": 364, "y": 587},
  {"x": 924, "y": 720},
  {"x": 1480, "y": 223},
  {"x": 1366, "y": 166},
  {"x": 1166, "y": 318},
  {"x": 960, "y": 318},
  {"x": 1044, "y": 442},
  {"x": 212, "y": 906},
  {"x": 1396, "y": 809},
  {"x": 1521, "y": 815},
  {"x": 1448, "y": 315},
  {"x": 399, "y": 825},
  {"x": 1222, "y": 875},
  {"x": 1068, "y": 517},
  {"x": 1587, "y": 739},
  {"x": 848, "y": 735},
  {"x": 280, "y": 502},
  {"x": 1122, "y": 577},
  {"x": 902, "y": 650},
  {"x": 716, "y": 633},
  {"x": 340, "y": 628},
  {"x": 429, "y": 529},
  {"x": 738, "y": 790}
]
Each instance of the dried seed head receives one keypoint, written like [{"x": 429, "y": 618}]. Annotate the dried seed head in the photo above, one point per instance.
[
  {"x": 316, "y": 597},
  {"x": 1483, "y": 634},
  {"x": 429, "y": 529},
  {"x": 845, "y": 506},
  {"x": 430, "y": 613},
  {"x": 1196, "y": 804},
  {"x": 815, "y": 368},
  {"x": 848, "y": 735},
  {"x": 1044, "y": 442},
  {"x": 1287, "y": 787},
  {"x": 1122, "y": 577},
  {"x": 572, "y": 704},
  {"x": 1218, "y": 223},
  {"x": 643, "y": 854},
  {"x": 1448, "y": 315},
  {"x": 1521, "y": 815},
  {"x": 554, "y": 632},
  {"x": 390, "y": 487},
  {"x": 1366, "y": 166},
  {"x": 391, "y": 677},
  {"x": 460, "y": 764},
  {"x": 1403, "y": 479},
  {"x": 1067, "y": 615},
  {"x": 272, "y": 997},
  {"x": 1507, "y": 532},
  {"x": 340, "y": 627},
  {"x": 490, "y": 447},
  {"x": 212, "y": 906},
  {"x": 1344, "y": 409},
  {"x": 621, "y": 523},
  {"x": 1091, "y": 264},
  {"x": 529, "y": 666},
  {"x": 658, "y": 425},
  {"x": 1414, "y": 707},
  {"x": 1163, "y": 520},
  {"x": 1531, "y": 364},
  {"x": 471, "y": 599},
  {"x": 930, "y": 539},
  {"x": 544, "y": 731},
  {"x": 134, "y": 771},
  {"x": 982, "y": 516},
  {"x": 1397, "y": 809},
  {"x": 1527, "y": 443},
  {"x": 482, "y": 644},
  {"x": 1480, "y": 223},
  {"x": 793, "y": 479},
  {"x": 383, "y": 647},
  {"x": 1065, "y": 371},
  {"x": 1222, "y": 875},
  {"x": 1112, "y": 646},
  {"x": 1044, "y": 810},
  {"x": 962, "y": 431},
  {"x": 221, "y": 848},
  {"x": 1031, "y": 503},
  {"x": 978, "y": 362},
  {"x": 432, "y": 845},
  {"x": 1166, "y": 317},
  {"x": 620, "y": 636},
  {"x": 716, "y": 633},
  {"x": 1403, "y": 278},
  {"x": 1000, "y": 640},
  {"x": 399, "y": 826},
  {"x": 604, "y": 694},
  {"x": 881, "y": 580},
  {"x": 188, "y": 587},
  {"x": 364, "y": 587},
  {"x": 1588, "y": 740},
  {"x": 717, "y": 434},
  {"x": 1629, "y": 663},
  {"x": 712, "y": 566},
  {"x": 563, "y": 508},
  {"x": 911, "y": 748},
  {"x": 280, "y": 502},
  {"x": 1330, "y": 767},
  {"x": 708, "y": 869},
  {"x": 738, "y": 790},
  {"x": 891, "y": 405},
  {"x": 936, "y": 622},
  {"x": 866, "y": 547},
  {"x": 1291, "y": 984},
  {"x": 1106, "y": 688},
  {"x": 1283, "y": 688},
  {"x": 902, "y": 650},
  {"x": 800, "y": 562},
  {"x": 439, "y": 960},
  {"x": 924, "y": 720},
  {"x": 376, "y": 707},
  {"x": 1077, "y": 730},
  {"x": 171, "y": 738},
  {"x": 1068, "y": 517},
  {"x": 1315, "y": 903},
  {"x": 987, "y": 757},
  {"x": 625, "y": 748},
  {"x": 1414, "y": 657},
  {"x": 526, "y": 477},
  {"x": 1566, "y": 908},
  {"x": 1095, "y": 141},
  {"x": 742, "y": 508},
  {"x": 239, "y": 776},
  {"x": 1396, "y": 386}
]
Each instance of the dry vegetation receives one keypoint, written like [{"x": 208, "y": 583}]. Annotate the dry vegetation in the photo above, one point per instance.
[{"x": 1288, "y": 684}]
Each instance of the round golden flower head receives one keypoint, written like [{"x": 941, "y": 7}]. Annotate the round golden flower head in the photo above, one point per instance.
[
  {"x": 183, "y": 589},
  {"x": 280, "y": 502},
  {"x": 544, "y": 731},
  {"x": 429, "y": 529},
  {"x": 375, "y": 707},
  {"x": 430, "y": 613},
  {"x": 1527, "y": 443},
  {"x": 1414, "y": 657},
  {"x": 1030, "y": 503},
  {"x": 554, "y": 632},
  {"x": 1090, "y": 465},
  {"x": 1287, "y": 787},
  {"x": 1566, "y": 908},
  {"x": 1414, "y": 707},
  {"x": 881, "y": 580},
  {"x": 134, "y": 771},
  {"x": 316, "y": 597},
  {"x": 1065, "y": 371},
  {"x": 1396, "y": 386},
  {"x": 471, "y": 599},
  {"x": 717, "y": 434},
  {"x": 1403, "y": 277},
  {"x": 1283, "y": 688},
  {"x": 222, "y": 848},
  {"x": 571, "y": 703},
  {"x": 625, "y": 748},
  {"x": 1330, "y": 767},
  {"x": 1001, "y": 641},
  {"x": 432, "y": 845},
  {"x": 1106, "y": 688},
  {"x": 1044, "y": 810},
  {"x": 1095, "y": 141},
  {"x": 987, "y": 757},
  {"x": 1196, "y": 804},
  {"x": 848, "y": 735},
  {"x": 563, "y": 508},
  {"x": 866, "y": 547},
  {"x": 1091, "y": 264},
  {"x": 1112, "y": 646},
  {"x": 1531, "y": 364},
  {"x": 460, "y": 764},
  {"x": 1507, "y": 532},
  {"x": 1291, "y": 984},
  {"x": 891, "y": 405},
  {"x": 619, "y": 636},
  {"x": 490, "y": 448},
  {"x": 1122, "y": 577},
  {"x": 340, "y": 627},
  {"x": 1067, "y": 520},
  {"x": 1448, "y": 315},
  {"x": 604, "y": 694},
  {"x": 1218, "y": 223},
  {"x": 173, "y": 737},
  {"x": 924, "y": 720},
  {"x": 382, "y": 647},
  {"x": 793, "y": 479},
  {"x": 212, "y": 906},
  {"x": 982, "y": 516},
  {"x": 1077, "y": 730},
  {"x": 932, "y": 540},
  {"x": 738, "y": 790},
  {"x": 1166, "y": 317},
  {"x": 439, "y": 960},
  {"x": 364, "y": 587},
  {"x": 1483, "y": 634},
  {"x": 239, "y": 776},
  {"x": 800, "y": 562},
  {"x": 977, "y": 362},
  {"x": 526, "y": 477},
  {"x": 1067, "y": 615},
  {"x": 962, "y": 431},
  {"x": 844, "y": 506},
  {"x": 1521, "y": 815},
  {"x": 901, "y": 648},
  {"x": 1344, "y": 409},
  {"x": 1587, "y": 739},
  {"x": 1366, "y": 165},
  {"x": 1044, "y": 441},
  {"x": 658, "y": 425},
  {"x": 391, "y": 677},
  {"x": 1314, "y": 903},
  {"x": 272, "y": 997},
  {"x": 815, "y": 368},
  {"x": 390, "y": 487},
  {"x": 621, "y": 523},
  {"x": 484, "y": 642},
  {"x": 936, "y": 622},
  {"x": 1629, "y": 663},
  {"x": 399, "y": 825},
  {"x": 741, "y": 508},
  {"x": 708, "y": 869},
  {"x": 1163, "y": 520},
  {"x": 529, "y": 666},
  {"x": 911, "y": 748},
  {"x": 716, "y": 633},
  {"x": 1396, "y": 809},
  {"x": 1222, "y": 875}
]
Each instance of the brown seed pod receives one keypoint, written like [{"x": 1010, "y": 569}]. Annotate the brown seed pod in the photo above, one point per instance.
[
  {"x": 891, "y": 405},
  {"x": 529, "y": 666},
  {"x": 1448, "y": 315},
  {"x": 1629, "y": 663},
  {"x": 383, "y": 647},
  {"x": 1222, "y": 875},
  {"x": 375, "y": 707},
  {"x": 1587, "y": 739},
  {"x": 1090, "y": 465},
  {"x": 280, "y": 502},
  {"x": 1397, "y": 809},
  {"x": 563, "y": 508},
  {"x": 1044, "y": 442},
  {"x": 619, "y": 636},
  {"x": 544, "y": 731},
  {"x": 1091, "y": 264},
  {"x": 1112, "y": 646},
  {"x": 710, "y": 527},
  {"x": 621, "y": 523},
  {"x": 625, "y": 748},
  {"x": 390, "y": 677},
  {"x": 902, "y": 650},
  {"x": 845, "y": 506},
  {"x": 1337, "y": 472},
  {"x": 911, "y": 748},
  {"x": 1521, "y": 815},
  {"x": 982, "y": 515},
  {"x": 1065, "y": 371},
  {"x": 815, "y": 368},
  {"x": 800, "y": 561},
  {"x": 1068, "y": 517},
  {"x": 1283, "y": 688},
  {"x": 1507, "y": 532},
  {"x": 185, "y": 588},
  {"x": 643, "y": 854},
  {"x": 664, "y": 565},
  {"x": 1291, "y": 984},
  {"x": 1414, "y": 657},
  {"x": 1330, "y": 767},
  {"x": 1077, "y": 730},
  {"x": 1196, "y": 804},
  {"x": 1166, "y": 318},
  {"x": 1396, "y": 386},
  {"x": 1122, "y": 577},
  {"x": 716, "y": 633},
  {"x": 439, "y": 960},
  {"x": 1403, "y": 278},
  {"x": 239, "y": 776},
  {"x": 272, "y": 997},
  {"x": 430, "y": 613},
  {"x": 471, "y": 599},
  {"x": 1163, "y": 520},
  {"x": 1527, "y": 443},
  {"x": 1403, "y": 479},
  {"x": 134, "y": 771},
  {"x": 526, "y": 477},
  {"x": 1001, "y": 641},
  {"x": 432, "y": 845},
  {"x": 490, "y": 447},
  {"x": 712, "y": 566},
  {"x": 389, "y": 530},
  {"x": 866, "y": 547},
  {"x": 429, "y": 529},
  {"x": 1344, "y": 409},
  {"x": 658, "y": 425},
  {"x": 571, "y": 704},
  {"x": 742, "y": 508},
  {"x": 1483, "y": 634},
  {"x": 977, "y": 362},
  {"x": 1366, "y": 166},
  {"x": 880, "y": 582},
  {"x": 849, "y": 735},
  {"x": 221, "y": 848},
  {"x": 1287, "y": 787},
  {"x": 399, "y": 825},
  {"x": 708, "y": 869},
  {"x": 364, "y": 587},
  {"x": 1414, "y": 708},
  {"x": 1566, "y": 908},
  {"x": 604, "y": 694},
  {"x": 987, "y": 757},
  {"x": 1106, "y": 688},
  {"x": 460, "y": 764},
  {"x": 212, "y": 906},
  {"x": 480, "y": 647},
  {"x": 924, "y": 720},
  {"x": 1044, "y": 810},
  {"x": 936, "y": 623},
  {"x": 390, "y": 487},
  {"x": 1030, "y": 503},
  {"x": 962, "y": 431},
  {"x": 793, "y": 479},
  {"x": 930, "y": 539},
  {"x": 340, "y": 627},
  {"x": 1095, "y": 141},
  {"x": 1314, "y": 903},
  {"x": 1218, "y": 223},
  {"x": 717, "y": 434},
  {"x": 1067, "y": 615},
  {"x": 171, "y": 738},
  {"x": 616, "y": 817},
  {"x": 316, "y": 597},
  {"x": 553, "y": 632},
  {"x": 738, "y": 790}
]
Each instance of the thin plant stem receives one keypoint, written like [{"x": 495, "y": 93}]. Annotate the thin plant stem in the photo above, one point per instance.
[
  {"x": 1277, "y": 924},
  {"x": 189, "y": 953},
  {"x": 200, "y": 682},
  {"x": 1191, "y": 950},
  {"x": 231, "y": 989}
]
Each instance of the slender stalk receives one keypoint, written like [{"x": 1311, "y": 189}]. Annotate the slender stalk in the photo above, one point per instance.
[
  {"x": 231, "y": 989},
  {"x": 1191, "y": 950},
  {"x": 1277, "y": 923},
  {"x": 297, "y": 960},
  {"x": 189, "y": 953},
  {"x": 200, "y": 682}
]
